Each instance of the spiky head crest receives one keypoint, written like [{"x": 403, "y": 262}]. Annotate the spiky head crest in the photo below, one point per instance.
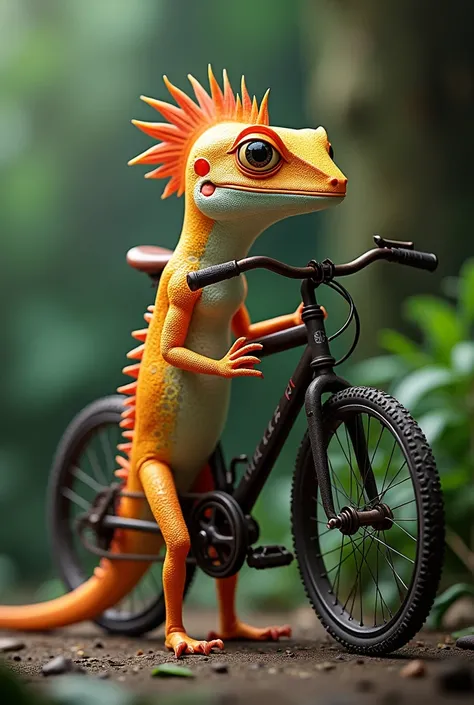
[{"x": 188, "y": 121}]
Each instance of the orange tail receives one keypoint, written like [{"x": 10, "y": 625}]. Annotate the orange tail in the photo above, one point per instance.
[{"x": 111, "y": 582}]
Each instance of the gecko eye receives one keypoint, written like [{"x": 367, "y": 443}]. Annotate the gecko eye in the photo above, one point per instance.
[
  {"x": 258, "y": 155},
  {"x": 331, "y": 152}
]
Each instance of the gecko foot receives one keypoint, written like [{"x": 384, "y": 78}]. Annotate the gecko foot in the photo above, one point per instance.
[
  {"x": 181, "y": 644},
  {"x": 244, "y": 632}
]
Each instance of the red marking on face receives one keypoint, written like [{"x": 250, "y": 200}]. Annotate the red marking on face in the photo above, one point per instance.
[
  {"x": 207, "y": 189},
  {"x": 202, "y": 166}
]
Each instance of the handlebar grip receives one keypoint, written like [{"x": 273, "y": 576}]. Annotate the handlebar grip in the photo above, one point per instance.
[
  {"x": 413, "y": 258},
  {"x": 212, "y": 275}
]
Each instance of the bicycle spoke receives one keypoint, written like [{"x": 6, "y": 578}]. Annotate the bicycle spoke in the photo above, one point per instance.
[
  {"x": 96, "y": 468},
  {"x": 326, "y": 573},
  {"x": 389, "y": 562},
  {"x": 404, "y": 530},
  {"x": 382, "y": 494},
  {"x": 372, "y": 575},
  {"x": 403, "y": 505},
  {"x": 393, "y": 479},
  {"x": 345, "y": 456},
  {"x": 335, "y": 477},
  {"x": 75, "y": 498},
  {"x": 394, "y": 550},
  {"x": 86, "y": 479},
  {"x": 108, "y": 450},
  {"x": 338, "y": 576}
]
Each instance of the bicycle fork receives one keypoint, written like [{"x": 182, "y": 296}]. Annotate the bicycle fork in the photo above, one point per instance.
[{"x": 349, "y": 519}]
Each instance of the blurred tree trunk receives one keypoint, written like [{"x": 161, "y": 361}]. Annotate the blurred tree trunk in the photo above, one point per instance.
[{"x": 393, "y": 82}]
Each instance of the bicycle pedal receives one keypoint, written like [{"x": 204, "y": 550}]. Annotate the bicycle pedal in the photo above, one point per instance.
[{"x": 269, "y": 557}]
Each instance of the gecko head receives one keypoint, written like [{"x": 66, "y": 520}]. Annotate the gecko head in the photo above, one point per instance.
[
  {"x": 222, "y": 153},
  {"x": 256, "y": 170}
]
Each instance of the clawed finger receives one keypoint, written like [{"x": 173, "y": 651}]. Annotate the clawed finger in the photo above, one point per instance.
[
  {"x": 251, "y": 347},
  {"x": 244, "y": 361},
  {"x": 237, "y": 344},
  {"x": 246, "y": 372}
]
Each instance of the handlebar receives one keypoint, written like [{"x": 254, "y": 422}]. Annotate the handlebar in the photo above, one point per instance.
[{"x": 319, "y": 272}]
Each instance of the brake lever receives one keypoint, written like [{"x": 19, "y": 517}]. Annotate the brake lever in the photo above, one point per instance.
[{"x": 385, "y": 242}]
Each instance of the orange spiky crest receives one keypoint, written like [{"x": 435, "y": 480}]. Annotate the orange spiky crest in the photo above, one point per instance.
[{"x": 188, "y": 121}]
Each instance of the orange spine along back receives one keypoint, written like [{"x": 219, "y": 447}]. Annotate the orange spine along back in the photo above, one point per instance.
[{"x": 128, "y": 414}]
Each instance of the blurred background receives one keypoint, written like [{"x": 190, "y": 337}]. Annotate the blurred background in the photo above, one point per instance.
[{"x": 392, "y": 82}]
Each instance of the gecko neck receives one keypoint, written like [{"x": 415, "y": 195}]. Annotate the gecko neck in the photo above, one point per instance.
[{"x": 212, "y": 242}]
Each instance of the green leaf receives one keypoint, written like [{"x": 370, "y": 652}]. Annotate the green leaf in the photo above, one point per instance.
[
  {"x": 466, "y": 292},
  {"x": 438, "y": 321},
  {"x": 398, "y": 344},
  {"x": 171, "y": 670},
  {"x": 378, "y": 370},
  {"x": 435, "y": 422},
  {"x": 419, "y": 383},
  {"x": 81, "y": 690},
  {"x": 462, "y": 357}
]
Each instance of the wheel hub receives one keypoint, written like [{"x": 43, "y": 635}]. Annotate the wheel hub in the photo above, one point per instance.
[{"x": 349, "y": 520}]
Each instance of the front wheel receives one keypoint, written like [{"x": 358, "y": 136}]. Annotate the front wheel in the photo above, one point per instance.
[{"x": 373, "y": 586}]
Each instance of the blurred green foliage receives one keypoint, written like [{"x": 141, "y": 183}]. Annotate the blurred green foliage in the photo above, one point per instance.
[{"x": 432, "y": 374}]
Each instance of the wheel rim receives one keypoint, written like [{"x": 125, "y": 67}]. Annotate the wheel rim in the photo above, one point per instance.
[
  {"x": 365, "y": 579},
  {"x": 90, "y": 468}
]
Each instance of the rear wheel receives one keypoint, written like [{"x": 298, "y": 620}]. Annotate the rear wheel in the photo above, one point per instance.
[
  {"x": 84, "y": 465},
  {"x": 374, "y": 586}
]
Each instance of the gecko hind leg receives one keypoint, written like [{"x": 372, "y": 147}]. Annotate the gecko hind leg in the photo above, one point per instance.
[
  {"x": 160, "y": 490},
  {"x": 231, "y": 627}
]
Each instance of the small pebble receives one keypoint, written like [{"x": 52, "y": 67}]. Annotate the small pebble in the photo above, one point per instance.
[
  {"x": 325, "y": 666},
  {"x": 272, "y": 671},
  {"x": 59, "y": 665},
  {"x": 10, "y": 644},
  {"x": 122, "y": 679},
  {"x": 82, "y": 654},
  {"x": 448, "y": 639},
  {"x": 104, "y": 675},
  {"x": 220, "y": 667},
  {"x": 139, "y": 653},
  {"x": 443, "y": 646},
  {"x": 340, "y": 657},
  {"x": 420, "y": 643},
  {"x": 289, "y": 653},
  {"x": 466, "y": 642},
  {"x": 135, "y": 669},
  {"x": 98, "y": 644},
  {"x": 456, "y": 678},
  {"x": 414, "y": 669}
]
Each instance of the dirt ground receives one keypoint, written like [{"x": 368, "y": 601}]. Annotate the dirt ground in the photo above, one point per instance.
[{"x": 308, "y": 668}]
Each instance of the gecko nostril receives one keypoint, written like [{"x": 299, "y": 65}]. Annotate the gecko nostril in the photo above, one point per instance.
[{"x": 334, "y": 182}]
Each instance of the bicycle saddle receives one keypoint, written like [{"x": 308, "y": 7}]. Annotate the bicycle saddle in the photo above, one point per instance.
[{"x": 148, "y": 258}]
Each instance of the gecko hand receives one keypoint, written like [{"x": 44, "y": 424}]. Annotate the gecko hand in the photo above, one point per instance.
[
  {"x": 297, "y": 314},
  {"x": 238, "y": 362}
]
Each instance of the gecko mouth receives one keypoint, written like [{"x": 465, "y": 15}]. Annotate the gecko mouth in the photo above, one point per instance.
[{"x": 208, "y": 188}]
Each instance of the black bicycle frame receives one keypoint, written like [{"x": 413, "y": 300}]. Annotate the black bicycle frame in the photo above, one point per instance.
[{"x": 313, "y": 377}]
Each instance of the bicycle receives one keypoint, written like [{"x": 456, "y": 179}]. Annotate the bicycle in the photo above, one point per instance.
[{"x": 349, "y": 514}]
